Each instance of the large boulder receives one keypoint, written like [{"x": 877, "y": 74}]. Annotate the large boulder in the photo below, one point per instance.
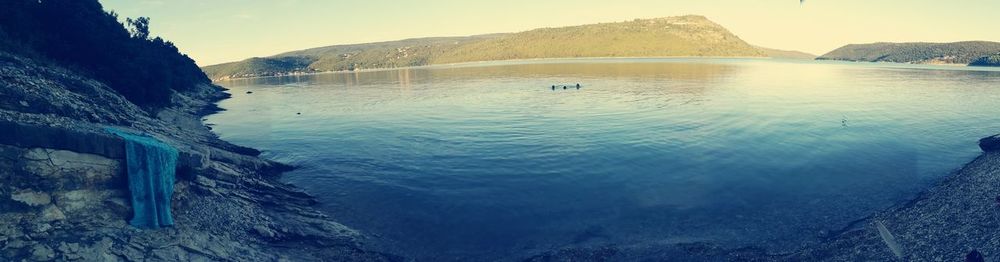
[{"x": 991, "y": 143}]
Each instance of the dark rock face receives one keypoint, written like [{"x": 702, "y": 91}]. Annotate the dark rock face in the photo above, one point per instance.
[
  {"x": 974, "y": 256},
  {"x": 990, "y": 60},
  {"x": 991, "y": 143}
]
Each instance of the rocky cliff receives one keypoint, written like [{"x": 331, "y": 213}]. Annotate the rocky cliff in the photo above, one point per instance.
[{"x": 63, "y": 191}]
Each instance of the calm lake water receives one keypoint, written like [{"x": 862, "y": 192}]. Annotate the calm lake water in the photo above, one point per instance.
[{"x": 484, "y": 161}]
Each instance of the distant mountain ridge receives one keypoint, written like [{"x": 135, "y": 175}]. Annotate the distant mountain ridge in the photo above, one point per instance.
[
  {"x": 915, "y": 53},
  {"x": 690, "y": 35}
]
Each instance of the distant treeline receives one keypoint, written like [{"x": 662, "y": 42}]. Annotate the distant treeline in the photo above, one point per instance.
[
  {"x": 991, "y": 60},
  {"x": 661, "y": 37},
  {"x": 953, "y": 53},
  {"x": 80, "y": 35}
]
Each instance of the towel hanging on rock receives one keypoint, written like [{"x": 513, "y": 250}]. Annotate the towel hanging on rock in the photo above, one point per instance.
[{"x": 151, "y": 169}]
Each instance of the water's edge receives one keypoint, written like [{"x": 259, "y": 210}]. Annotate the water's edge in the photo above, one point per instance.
[
  {"x": 572, "y": 59},
  {"x": 923, "y": 226}
]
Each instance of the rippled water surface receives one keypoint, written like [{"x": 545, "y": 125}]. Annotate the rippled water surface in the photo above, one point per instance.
[{"x": 485, "y": 160}]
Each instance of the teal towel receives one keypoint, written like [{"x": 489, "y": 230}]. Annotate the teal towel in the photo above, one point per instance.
[{"x": 151, "y": 167}]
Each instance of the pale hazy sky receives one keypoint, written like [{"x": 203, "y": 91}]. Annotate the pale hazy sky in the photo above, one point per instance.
[{"x": 219, "y": 31}]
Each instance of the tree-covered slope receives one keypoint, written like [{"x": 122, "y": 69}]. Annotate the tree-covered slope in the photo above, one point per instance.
[
  {"x": 402, "y": 53},
  {"x": 80, "y": 35},
  {"x": 990, "y": 60},
  {"x": 660, "y": 37},
  {"x": 409, "y": 52},
  {"x": 259, "y": 66},
  {"x": 951, "y": 53}
]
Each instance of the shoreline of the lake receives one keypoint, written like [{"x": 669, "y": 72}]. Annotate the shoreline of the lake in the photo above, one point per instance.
[
  {"x": 940, "y": 66},
  {"x": 946, "y": 222},
  {"x": 477, "y": 63}
]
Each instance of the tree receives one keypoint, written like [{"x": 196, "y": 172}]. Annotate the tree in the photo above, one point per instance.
[{"x": 139, "y": 27}]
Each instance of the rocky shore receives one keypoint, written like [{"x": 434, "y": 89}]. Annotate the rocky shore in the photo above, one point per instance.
[
  {"x": 956, "y": 220},
  {"x": 64, "y": 197}
]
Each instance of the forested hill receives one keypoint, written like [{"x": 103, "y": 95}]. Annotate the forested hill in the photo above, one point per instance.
[
  {"x": 671, "y": 36},
  {"x": 918, "y": 53},
  {"x": 660, "y": 37},
  {"x": 80, "y": 35}
]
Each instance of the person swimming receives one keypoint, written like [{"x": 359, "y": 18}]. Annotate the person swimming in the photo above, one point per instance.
[
  {"x": 564, "y": 87},
  {"x": 553, "y": 87},
  {"x": 577, "y": 85}
]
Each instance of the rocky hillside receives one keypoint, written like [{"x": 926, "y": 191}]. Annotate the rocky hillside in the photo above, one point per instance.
[
  {"x": 671, "y": 36},
  {"x": 63, "y": 188},
  {"x": 64, "y": 196},
  {"x": 660, "y": 37},
  {"x": 915, "y": 53}
]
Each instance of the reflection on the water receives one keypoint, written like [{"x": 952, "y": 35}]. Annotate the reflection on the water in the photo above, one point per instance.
[{"x": 570, "y": 70}]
